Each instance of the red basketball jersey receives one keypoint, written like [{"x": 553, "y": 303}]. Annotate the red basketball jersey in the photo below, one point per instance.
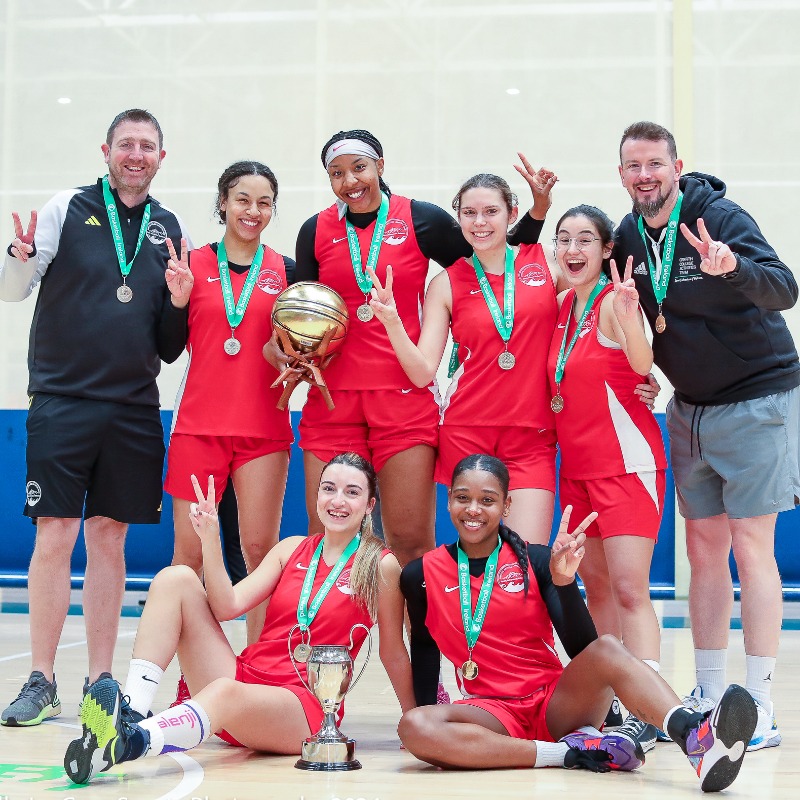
[
  {"x": 367, "y": 359},
  {"x": 224, "y": 395},
  {"x": 481, "y": 393},
  {"x": 515, "y": 651},
  {"x": 604, "y": 429}
]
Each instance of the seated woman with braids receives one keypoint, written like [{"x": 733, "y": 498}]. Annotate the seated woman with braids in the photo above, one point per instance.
[{"x": 489, "y": 603}]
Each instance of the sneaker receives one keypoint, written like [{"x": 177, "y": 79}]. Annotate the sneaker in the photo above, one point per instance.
[
  {"x": 626, "y": 753},
  {"x": 107, "y": 738},
  {"x": 766, "y": 733},
  {"x": 638, "y": 731},
  {"x": 183, "y": 694},
  {"x": 698, "y": 702},
  {"x": 717, "y": 745},
  {"x": 662, "y": 736},
  {"x": 37, "y": 702},
  {"x": 614, "y": 716},
  {"x": 442, "y": 696}
]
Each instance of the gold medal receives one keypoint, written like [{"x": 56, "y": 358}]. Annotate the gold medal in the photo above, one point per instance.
[
  {"x": 124, "y": 293},
  {"x": 302, "y": 652},
  {"x": 364, "y": 312},
  {"x": 232, "y": 346},
  {"x": 661, "y": 324},
  {"x": 469, "y": 670},
  {"x": 557, "y": 403},
  {"x": 506, "y": 360}
]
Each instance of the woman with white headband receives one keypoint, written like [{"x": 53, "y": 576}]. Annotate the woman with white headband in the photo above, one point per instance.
[{"x": 379, "y": 412}]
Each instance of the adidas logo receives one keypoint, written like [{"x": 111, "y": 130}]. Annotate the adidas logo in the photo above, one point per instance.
[
  {"x": 640, "y": 270},
  {"x": 92, "y": 221}
]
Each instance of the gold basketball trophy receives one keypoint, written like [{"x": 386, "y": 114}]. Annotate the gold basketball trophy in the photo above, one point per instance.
[
  {"x": 330, "y": 671},
  {"x": 311, "y": 321}
]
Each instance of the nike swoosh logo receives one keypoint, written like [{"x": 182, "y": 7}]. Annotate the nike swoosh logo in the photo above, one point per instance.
[
  {"x": 475, "y": 291},
  {"x": 149, "y": 680},
  {"x": 300, "y": 566},
  {"x": 211, "y": 280},
  {"x": 336, "y": 241},
  {"x": 562, "y": 325},
  {"x": 406, "y": 391},
  {"x": 449, "y": 589}
]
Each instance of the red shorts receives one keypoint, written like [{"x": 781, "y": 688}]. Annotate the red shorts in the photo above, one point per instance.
[
  {"x": 219, "y": 456},
  {"x": 375, "y": 423},
  {"x": 524, "y": 718},
  {"x": 627, "y": 505},
  {"x": 311, "y": 707},
  {"x": 529, "y": 454}
]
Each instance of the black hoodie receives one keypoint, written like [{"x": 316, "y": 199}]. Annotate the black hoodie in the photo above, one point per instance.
[{"x": 726, "y": 339}]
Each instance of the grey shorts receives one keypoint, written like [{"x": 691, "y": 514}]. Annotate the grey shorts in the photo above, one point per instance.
[{"x": 740, "y": 459}]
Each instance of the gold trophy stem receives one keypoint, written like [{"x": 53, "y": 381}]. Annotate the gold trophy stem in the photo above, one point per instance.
[{"x": 304, "y": 367}]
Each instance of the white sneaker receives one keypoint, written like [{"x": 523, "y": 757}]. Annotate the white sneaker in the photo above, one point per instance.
[
  {"x": 766, "y": 733},
  {"x": 698, "y": 702}
]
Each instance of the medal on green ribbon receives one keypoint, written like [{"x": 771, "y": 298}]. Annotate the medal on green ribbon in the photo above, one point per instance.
[
  {"x": 474, "y": 624},
  {"x": 557, "y": 403},
  {"x": 305, "y": 611},
  {"x": 124, "y": 293},
  {"x": 503, "y": 320},
  {"x": 235, "y": 310},
  {"x": 660, "y": 284},
  {"x": 364, "y": 312}
]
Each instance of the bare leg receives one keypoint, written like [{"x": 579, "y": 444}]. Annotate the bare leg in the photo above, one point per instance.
[
  {"x": 312, "y": 467},
  {"x": 260, "y": 485},
  {"x": 103, "y": 589},
  {"x": 762, "y": 595},
  {"x": 599, "y": 593},
  {"x": 48, "y": 588},
  {"x": 708, "y": 544},
  {"x": 531, "y": 514},
  {"x": 628, "y": 559},
  {"x": 187, "y": 549},
  {"x": 408, "y": 502}
]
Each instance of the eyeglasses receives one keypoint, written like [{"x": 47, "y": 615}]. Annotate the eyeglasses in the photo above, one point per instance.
[{"x": 581, "y": 242}]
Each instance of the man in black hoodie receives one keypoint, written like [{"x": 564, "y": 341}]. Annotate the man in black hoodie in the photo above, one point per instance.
[{"x": 712, "y": 289}]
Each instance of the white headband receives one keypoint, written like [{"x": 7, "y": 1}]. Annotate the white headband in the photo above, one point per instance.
[{"x": 349, "y": 147}]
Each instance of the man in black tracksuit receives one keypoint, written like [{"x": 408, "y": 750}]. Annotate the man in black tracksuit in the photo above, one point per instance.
[
  {"x": 712, "y": 289},
  {"x": 108, "y": 311}
]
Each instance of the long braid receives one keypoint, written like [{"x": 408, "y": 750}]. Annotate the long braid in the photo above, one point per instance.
[
  {"x": 520, "y": 548},
  {"x": 363, "y": 136}
]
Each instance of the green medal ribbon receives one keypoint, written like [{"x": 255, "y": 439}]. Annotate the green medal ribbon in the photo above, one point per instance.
[
  {"x": 235, "y": 311},
  {"x": 660, "y": 284},
  {"x": 116, "y": 231},
  {"x": 453, "y": 365},
  {"x": 362, "y": 278},
  {"x": 474, "y": 624},
  {"x": 503, "y": 320},
  {"x": 565, "y": 350},
  {"x": 306, "y": 612}
]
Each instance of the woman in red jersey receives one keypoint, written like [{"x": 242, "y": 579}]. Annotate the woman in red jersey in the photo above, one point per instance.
[{"x": 325, "y": 584}]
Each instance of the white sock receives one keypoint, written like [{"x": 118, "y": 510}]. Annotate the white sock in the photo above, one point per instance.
[
  {"x": 652, "y": 664},
  {"x": 550, "y": 754},
  {"x": 760, "y": 670},
  {"x": 142, "y": 684},
  {"x": 710, "y": 669},
  {"x": 177, "y": 729}
]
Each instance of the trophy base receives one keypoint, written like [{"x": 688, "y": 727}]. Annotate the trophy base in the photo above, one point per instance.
[{"x": 320, "y": 756}]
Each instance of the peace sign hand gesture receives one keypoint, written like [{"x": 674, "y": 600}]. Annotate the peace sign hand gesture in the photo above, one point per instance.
[
  {"x": 382, "y": 301},
  {"x": 626, "y": 298},
  {"x": 203, "y": 513},
  {"x": 568, "y": 549},
  {"x": 541, "y": 182},
  {"x": 178, "y": 275},
  {"x": 718, "y": 258},
  {"x": 22, "y": 246}
]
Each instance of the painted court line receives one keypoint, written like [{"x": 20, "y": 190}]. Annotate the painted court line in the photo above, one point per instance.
[{"x": 125, "y": 635}]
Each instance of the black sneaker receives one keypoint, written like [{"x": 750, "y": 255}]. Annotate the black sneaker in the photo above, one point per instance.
[
  {"x": 614, "y": 716},
  {"x": 37, "y": 702},
  {"x": 638, "y": 731}
]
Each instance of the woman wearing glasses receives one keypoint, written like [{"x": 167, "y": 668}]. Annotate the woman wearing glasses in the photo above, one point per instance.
[{"x": 612, "y": 453}]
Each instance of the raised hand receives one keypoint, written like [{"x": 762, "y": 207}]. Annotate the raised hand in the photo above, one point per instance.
[
  {"x": 626, "y": 298},
  {"x": 382, "y": 300},
  {"x": 568, "y": 549},
  {"x": 541, "y": 182},
  {"x": 203, "y": 513},
  {"x": 178, "y": 275},
  {"x": 718, "y": 258},
  {"x": 22, "y": 246}
]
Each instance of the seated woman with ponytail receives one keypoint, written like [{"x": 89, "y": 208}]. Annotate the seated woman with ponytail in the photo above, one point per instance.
[
  {"x": 319, "y": 588},
  {"x": 521, "y": 708}
]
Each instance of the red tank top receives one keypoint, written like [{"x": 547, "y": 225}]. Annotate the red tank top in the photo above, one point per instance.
[
  {"x": 336, "y": 616},
  {"x": 223, "y": 395},
  {"x": 604, "y": 429},
  {"x": 515, "y": 651},
  {"x": 481, "y": 393},
  {"x": 367, "y": 359}
]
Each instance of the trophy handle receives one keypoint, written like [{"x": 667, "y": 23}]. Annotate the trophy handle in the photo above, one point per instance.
[
  {"x": 294, "y": 663},
  {"x": 369, "y": 651}
]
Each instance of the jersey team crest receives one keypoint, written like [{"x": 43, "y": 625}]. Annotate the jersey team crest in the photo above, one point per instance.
[
  {"x": 343, "y": 582},
  {"x": 588, "y": 324},
  {"x": 396, "y": 231},
  {"x": 269, "y": 281},
  {"x": 532, "y": 275},
  {"x": 156, "y": 232},
  {"x": 510, "y": 578}
]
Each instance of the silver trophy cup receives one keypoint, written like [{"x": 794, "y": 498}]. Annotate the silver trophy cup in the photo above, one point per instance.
[{"x": 330, "y": 676}]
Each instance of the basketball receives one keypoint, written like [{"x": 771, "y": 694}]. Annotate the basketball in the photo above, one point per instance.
[{"x": 306, "y": 311}]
